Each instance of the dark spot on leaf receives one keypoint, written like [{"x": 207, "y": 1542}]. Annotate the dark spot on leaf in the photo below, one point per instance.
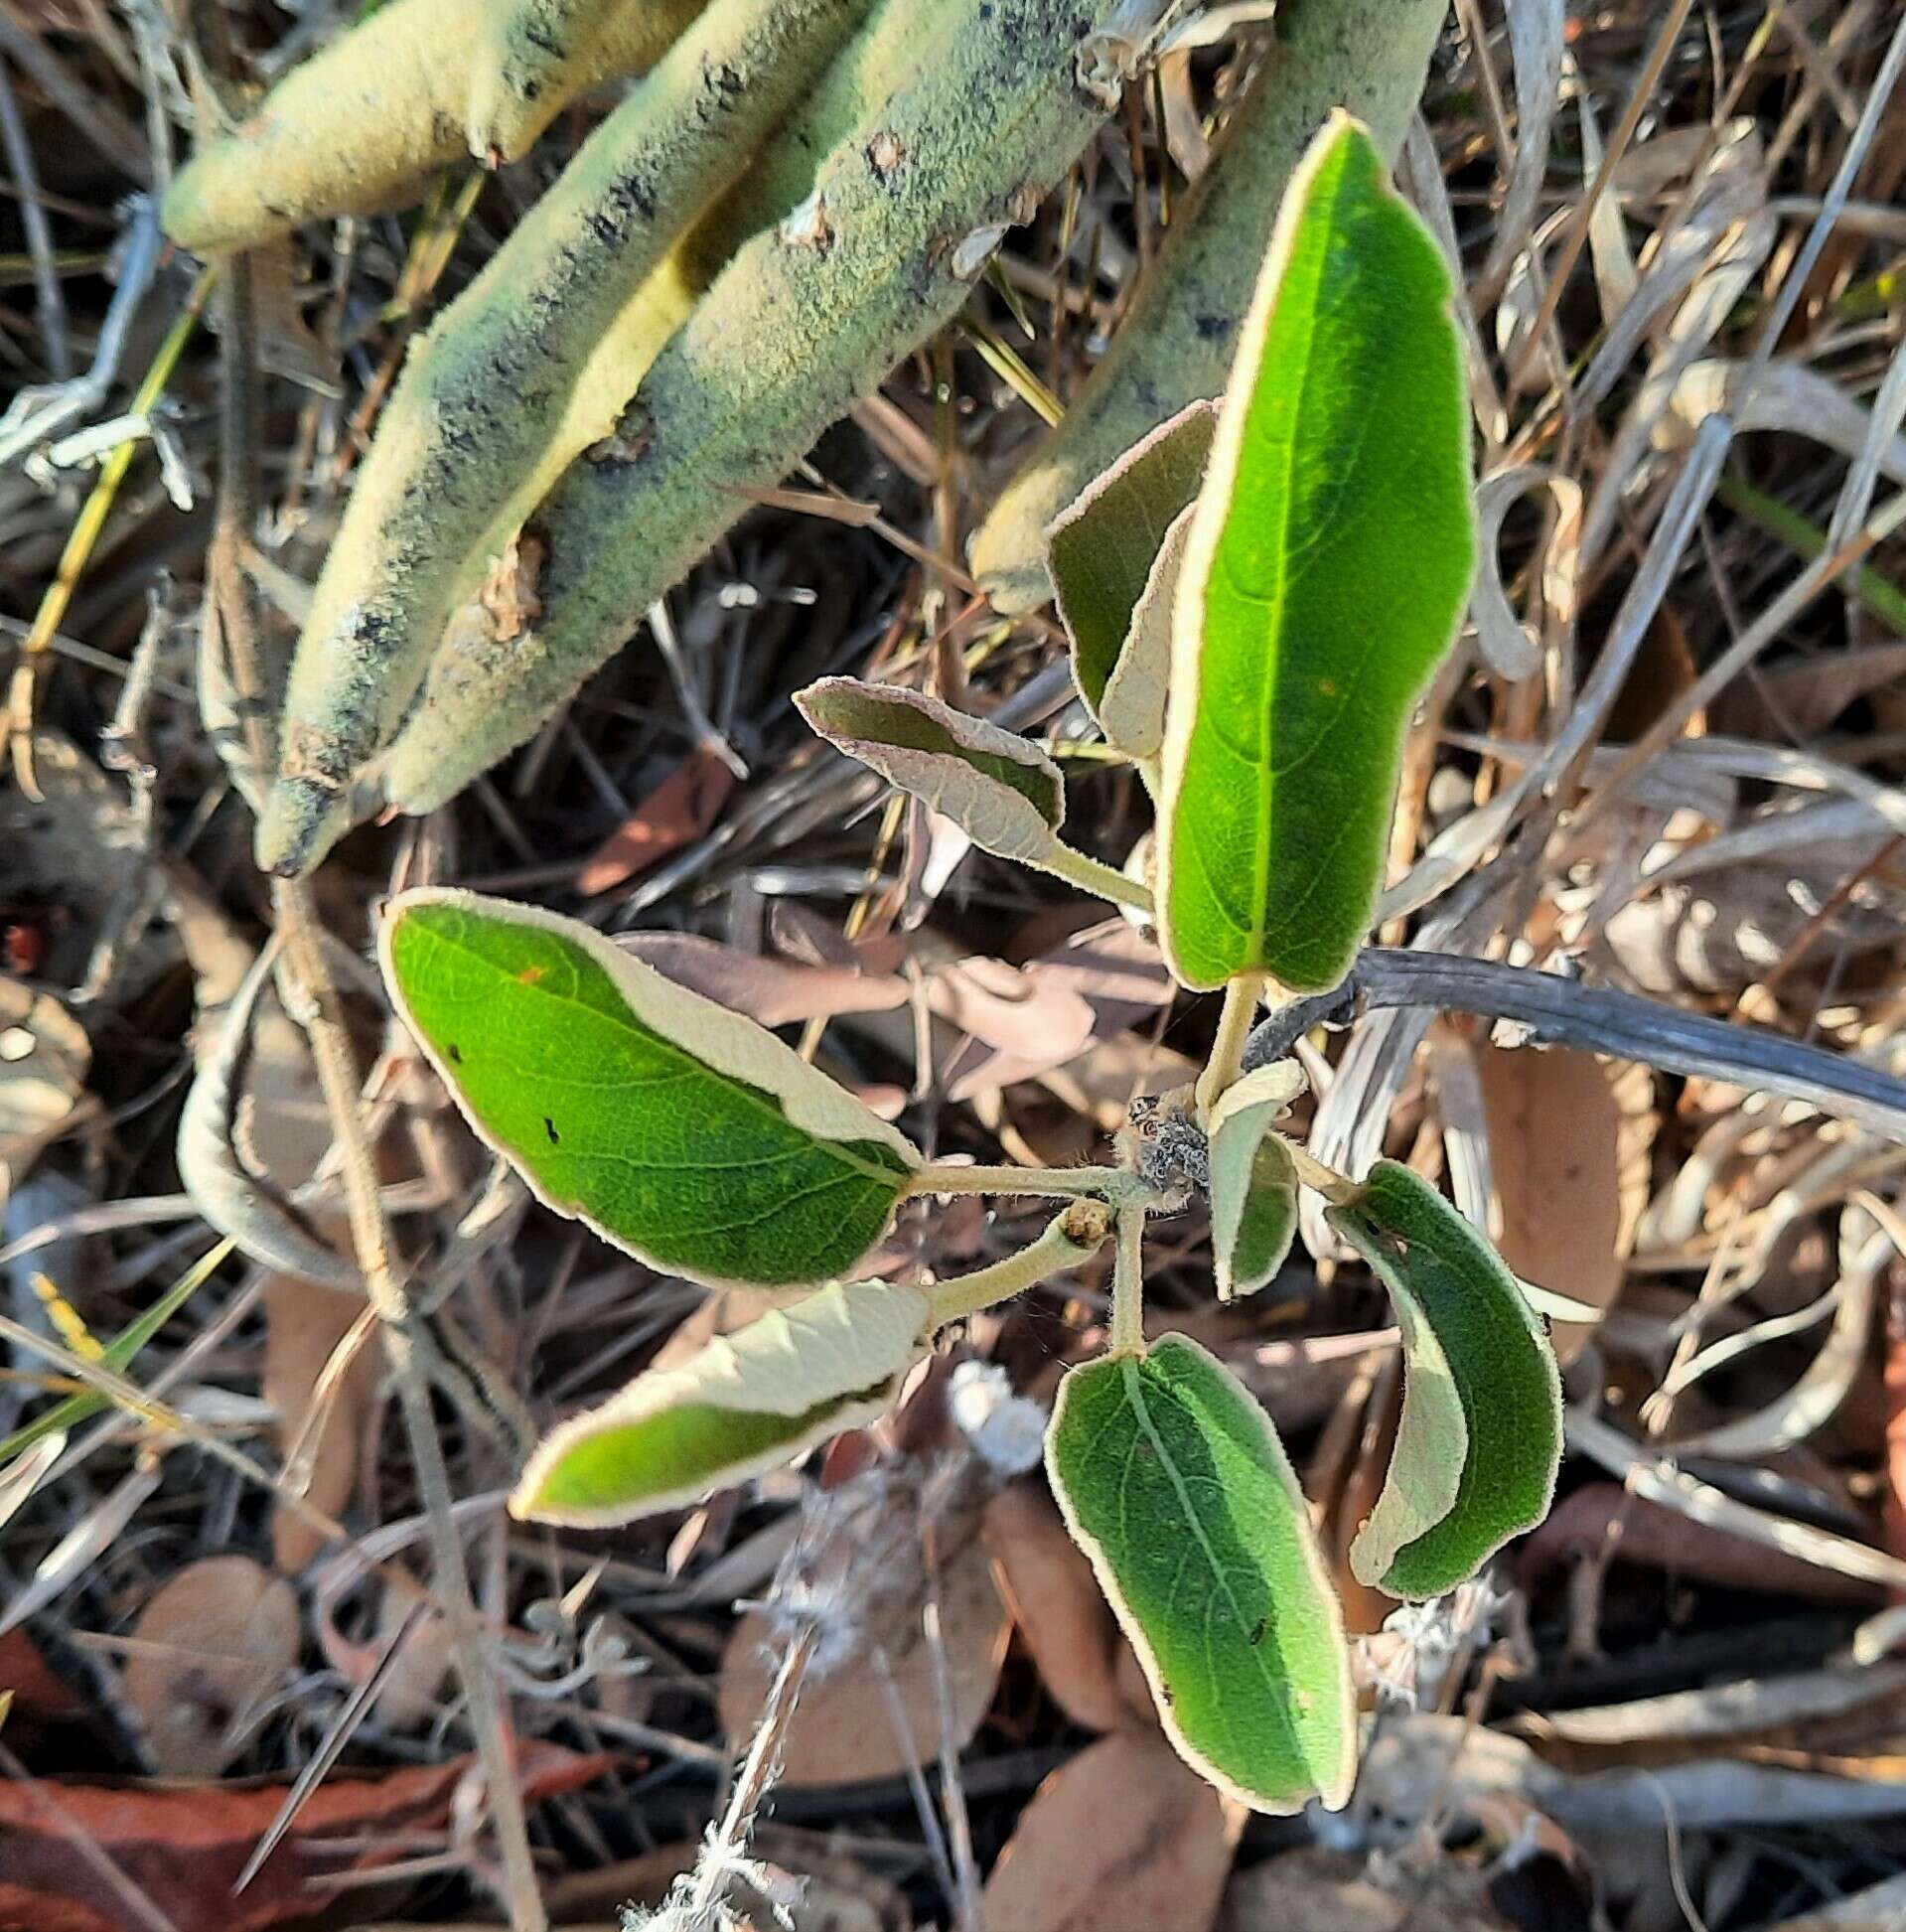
[
  {"x": 1257, "y": 1630},
  {"x": 456, "y": 1054},
  {"x": 549, "y": 1127}
]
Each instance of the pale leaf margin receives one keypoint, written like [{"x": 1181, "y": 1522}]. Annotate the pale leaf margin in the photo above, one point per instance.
[
  {"x": 1335, "y": 1782},
  {"x": 1240, "y": 1121},
  {"x": 727, "y": 1042},
  {"x": 846, "y": 1346}
]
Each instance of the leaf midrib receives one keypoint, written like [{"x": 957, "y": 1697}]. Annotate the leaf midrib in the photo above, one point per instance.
[{"x": 1134, "y": 1390}]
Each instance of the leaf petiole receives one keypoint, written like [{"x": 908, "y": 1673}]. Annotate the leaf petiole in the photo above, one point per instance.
[
  {"x": 1242, "y": 995},
  {"x": 1113, "y": 1185},
  {"x": 1089, "y": 875},
  {"x": 1071, "y": 1239},
  {"x": 1338, "y": 1189}
]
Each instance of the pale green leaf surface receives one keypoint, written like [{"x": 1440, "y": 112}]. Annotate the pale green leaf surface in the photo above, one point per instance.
[
  {"x": 1175, "y": 1485},
  {"x": 1253, "y": 1180},
  {"x": 1132, "y": 710},
  {"x": 999, "y": 789},
  {"x": 677, "y": 1130},
  {"x": 1101, "y": 549},
  {"x": 1468, "y": 1334},
  {"x": 1328, "y": 560},
  {"x": 744, "y": 1403}
]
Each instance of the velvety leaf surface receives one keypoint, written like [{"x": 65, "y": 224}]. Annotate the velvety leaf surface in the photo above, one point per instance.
[
  {"x": 1253, "y": 1180},
  {"x": 1001, "y": 790},
  {"x": 743, "y": 1404},
  {"x": 675, "y": 1128},
  {"x": 1177, "y": 1489},
  {"x": 1102, "y": 548},
  {"x": 1475, "y": 1351},
  {"x": 1327, "y": 562}
]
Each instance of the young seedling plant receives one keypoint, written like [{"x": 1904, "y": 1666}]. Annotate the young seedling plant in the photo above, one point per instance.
[{"x": 1256, "y": 596}]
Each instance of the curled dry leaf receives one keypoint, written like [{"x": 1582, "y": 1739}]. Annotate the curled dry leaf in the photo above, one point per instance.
[
  {"x": 211, "y": 1644},
  {"x": 1569, "y": 1144},
  {"x": 844, "y": 1729},
  {"x": 1058, "y": 1605},
  {"x": 1123, "y": 1834}
]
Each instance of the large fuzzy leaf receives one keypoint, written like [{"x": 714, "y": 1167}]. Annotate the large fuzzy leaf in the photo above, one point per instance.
[
  {"x": 675, "y": 1128},
  {"x": 1327, "y": 561},
  {"x": 744, "y": 1403},
  {"x": 1480, "y": 1439},
  {"x": 1175, "y": 1485}
]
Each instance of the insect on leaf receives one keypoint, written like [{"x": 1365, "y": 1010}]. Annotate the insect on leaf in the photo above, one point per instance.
[
  {"x": 1327, "y": 562},
  {"x": 676, "y": 1130},
  {"x": 1175, "y": 1485},
  {"x": 1001, "y": 790},
  {"x": 1480, "y": 1439},
  {"x": 1103, "y": 552},
  {"x": 744, "y": 1403},
  {"x": 1253, "y": 1180}
]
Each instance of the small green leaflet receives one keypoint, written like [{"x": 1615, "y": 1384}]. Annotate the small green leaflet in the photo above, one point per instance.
[
  {"x": 1253, "y": 1180},
  {"x": 676, "y": 1130},
  {"x": 1326, "y": 566},
  {"x": 1175, "y": 1485},
  {"x": 1001, "y": 790},
  {"x": 1480, "y": 1439},
  {"x": 1104, "y": 551},
  {"x": 744, "y": 1403}
]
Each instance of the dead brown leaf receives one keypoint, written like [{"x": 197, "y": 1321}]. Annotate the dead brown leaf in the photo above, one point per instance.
[
  {"x": 1124, "y": 1833},
  {"x": 211, "y": 1643},
  {"x": 1330, "y": 1892},
  {"x": 1569, "y": 1141},
  {"x": 1058, "y": 1605},
  {"x": 682, "y": 808},
  {"x": 844, "y": 1729},
  {"x": 183, "y": 1846},
  {"x": 304, "y": 1324}
]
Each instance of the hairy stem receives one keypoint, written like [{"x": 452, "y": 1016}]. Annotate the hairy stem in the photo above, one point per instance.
[
  {"x": 1071, "y": 1239},
  {"x": 1129, "y": 1283}
]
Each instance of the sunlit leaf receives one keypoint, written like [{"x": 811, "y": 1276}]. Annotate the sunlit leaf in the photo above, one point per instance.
[
  {"x": 1001, "y": 790},
  {"x": 1103, "y": 551},
  {"x": 1328, "y": 559},
  {"x": 1176, "y": 1487},
  {"x": 1480, "y": 1438},
  {"x": 744, "y": 1403},
  {"x": 1253, "y": 1180},
  {"x": 678, "y": 1130}
]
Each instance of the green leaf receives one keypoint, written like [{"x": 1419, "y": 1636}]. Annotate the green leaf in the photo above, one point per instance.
[
  {"x": 1480, "y": 1439},
  {"x": 1001, "y": 790},
  {"x": 1253, "y": 1180},
  {"x": 1103, "y": 551},
  {"x": 1175, "y": 1485},
  {"x": 1328, "y": 560},
  {"x": 744, "y": 1403},
  {"x": 676, "y": 1130}
]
